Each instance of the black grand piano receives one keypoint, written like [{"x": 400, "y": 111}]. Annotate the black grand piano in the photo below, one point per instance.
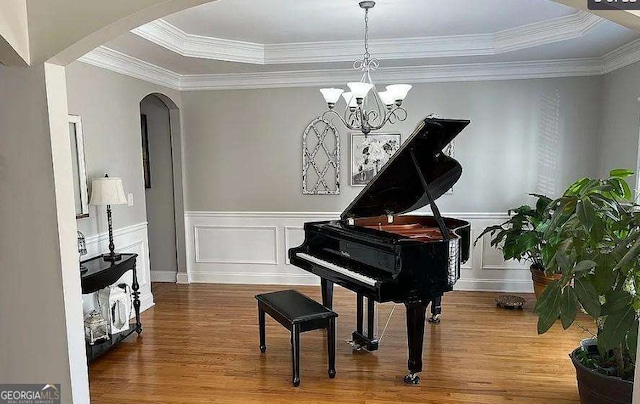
[{"x": 385, "y": 256}]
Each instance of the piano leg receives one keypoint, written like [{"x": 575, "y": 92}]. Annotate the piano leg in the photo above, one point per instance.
[
  {"x": 327, "y": 293},
  {"x": 416, "y": 312},
  {"x": 436, "y": 310}
]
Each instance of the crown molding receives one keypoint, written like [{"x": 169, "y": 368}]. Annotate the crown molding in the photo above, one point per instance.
[
  {"x": 621, "y": 57},
  {"x": 554, "y": 30},
  {"x": 119, "y": 62},
  {"x": 412, "y": 74},
  {"x": 131, "y": 66},
  {"x": 174, "y": 39}
]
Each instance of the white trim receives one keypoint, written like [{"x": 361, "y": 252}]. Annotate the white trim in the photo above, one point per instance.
[
  {"x": 200, "y": 260},
  {"x": 252, "y": 278},
  {"x": 119, "y": 62},
  {"x": 163, "y": 276},
  {"x": 527, "y": 36},
  {"x": 182, "y": 279},
  {"x": 495, "y": 285},
  {"x": 621, "y": 57},
  {"x": 123, "y": 231},
  {"x": 327, "y": 215}
]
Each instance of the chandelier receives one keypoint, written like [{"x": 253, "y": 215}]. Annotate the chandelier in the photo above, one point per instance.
[{"x": 367, "y": 109}]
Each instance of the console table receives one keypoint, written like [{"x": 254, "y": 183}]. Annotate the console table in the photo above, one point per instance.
[{"x": 100, "y": 274}]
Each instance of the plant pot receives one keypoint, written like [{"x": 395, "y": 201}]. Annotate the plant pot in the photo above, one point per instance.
[
  {"x": 541, "y": 280},
  {"x": 596, "y": 388}
]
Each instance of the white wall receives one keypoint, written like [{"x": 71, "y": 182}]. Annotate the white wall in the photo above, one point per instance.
[
  {"x": 620, "y": 120},
  {"x": 40, "y": 306},
  {"x": 159, "y": 198},
  {"x": 243, "y": 147},
  {"x": 14, "y": 31}
]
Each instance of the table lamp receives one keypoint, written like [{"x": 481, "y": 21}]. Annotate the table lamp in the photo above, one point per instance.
[{"x": 108, "y": 191}]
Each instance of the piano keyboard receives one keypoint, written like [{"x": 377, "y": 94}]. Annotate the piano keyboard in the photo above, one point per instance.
[{"x": 353, "y": 275}]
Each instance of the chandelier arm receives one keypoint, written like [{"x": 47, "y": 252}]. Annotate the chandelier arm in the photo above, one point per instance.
[
  {"x": 388, "y": 116},
  {"x": 344, "y": 122}
]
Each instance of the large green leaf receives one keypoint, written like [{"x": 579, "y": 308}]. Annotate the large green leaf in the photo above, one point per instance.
[
  {"x": 621, "y": 188},
  {"x": 615, "y": 328},
  {"x": 588, "y": 297},
  {"x": 585, "y": 212},
  {"x": 617, "y": 301},
  {"x": 583, "y": 267},
  {"x": 621, "y": 173},
  {"x": 548, "y": 307},
  {"x": 568, "y": 307},
  {"x": 604, "y": 277}
]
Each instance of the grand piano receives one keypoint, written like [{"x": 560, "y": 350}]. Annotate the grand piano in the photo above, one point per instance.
[{"x": 384, "y": 255}]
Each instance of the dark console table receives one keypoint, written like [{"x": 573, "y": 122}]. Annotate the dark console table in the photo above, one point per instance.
[{"x": 100, "y": 274}]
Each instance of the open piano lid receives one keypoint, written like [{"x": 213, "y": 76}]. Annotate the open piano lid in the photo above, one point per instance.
[{"x": 397, "y": 187}]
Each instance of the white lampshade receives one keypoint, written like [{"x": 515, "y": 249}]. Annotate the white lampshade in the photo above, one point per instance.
[
  {"x": 107, "y": 191},
  {"x": 399, "y": 91},
  {"x": 350, "y": 99},
  {"x": 331, "y": 95},
  {"x": 359, "y": 89},
  {"x": 386, "y": 97}
]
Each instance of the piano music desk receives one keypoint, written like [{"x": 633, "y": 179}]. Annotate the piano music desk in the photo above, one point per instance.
[{"x": 298, "y": 313}]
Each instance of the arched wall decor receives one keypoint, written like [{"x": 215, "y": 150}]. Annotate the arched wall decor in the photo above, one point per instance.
[{"x": 320, "y": 159}]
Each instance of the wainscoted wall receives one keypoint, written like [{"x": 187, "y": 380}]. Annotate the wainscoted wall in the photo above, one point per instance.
[
  {"x": 251, "y": 247},
  {"x": 131, "y": 239}
]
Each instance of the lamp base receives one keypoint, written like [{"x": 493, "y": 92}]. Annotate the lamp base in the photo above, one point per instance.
[{"x": 112, "y": 256}]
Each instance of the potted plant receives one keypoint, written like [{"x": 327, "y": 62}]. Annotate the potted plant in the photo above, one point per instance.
[
  {"x": 522, "y": 238},
  {"x": 599, "y": 259}
]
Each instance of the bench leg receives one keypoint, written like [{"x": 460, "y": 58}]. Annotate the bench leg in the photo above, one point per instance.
[
  {"x": 331, "y": 344},
  {"x": 295, "y": 354},
  {"x": 261, "y": 321}
]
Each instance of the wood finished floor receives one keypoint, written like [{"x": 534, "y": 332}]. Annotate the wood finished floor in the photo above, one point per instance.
[{"x": 200, "y": 345}]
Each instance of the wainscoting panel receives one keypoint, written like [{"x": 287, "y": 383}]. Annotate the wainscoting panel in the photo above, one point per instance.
[
  {"x": 131, "y": 239},
  {"x": 251, "y": 248}
]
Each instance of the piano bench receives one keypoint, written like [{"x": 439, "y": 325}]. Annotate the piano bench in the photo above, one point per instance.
[{"x": 298, "y": 313}]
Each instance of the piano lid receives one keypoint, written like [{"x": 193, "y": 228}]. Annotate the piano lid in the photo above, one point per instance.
[{"x": 397, "y": 187}]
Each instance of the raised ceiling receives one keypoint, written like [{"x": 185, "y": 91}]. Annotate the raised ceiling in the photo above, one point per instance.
[{"x": 247, "y": 40}]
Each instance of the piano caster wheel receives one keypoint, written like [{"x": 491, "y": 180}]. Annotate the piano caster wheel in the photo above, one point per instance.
[
  {"x": 263, "y": 348},
  {"x": 332, "y": 373},
  {"x": 435, "y": 319},
  {"x": 296, "y": 382},
  {"x": 412, "y": 378}
]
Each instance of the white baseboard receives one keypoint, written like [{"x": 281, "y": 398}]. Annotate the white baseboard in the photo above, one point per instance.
[
  {"x": 495, "y": 285},
  {"x": 250, "y": 278},
  {"x": 182, "y": 278},
  {"x": 146, "y": 302},
  {"x": 163, "y": 276}
]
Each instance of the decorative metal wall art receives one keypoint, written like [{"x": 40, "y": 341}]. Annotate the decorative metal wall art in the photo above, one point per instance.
[{"x": 320, "y": 159}]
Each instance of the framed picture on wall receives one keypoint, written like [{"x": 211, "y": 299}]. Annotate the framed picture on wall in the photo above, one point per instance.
[
  {"x": 145, "y": 151},
  {"x": 369, "y": 154}
]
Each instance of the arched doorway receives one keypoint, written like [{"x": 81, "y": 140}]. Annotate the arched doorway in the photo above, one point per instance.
[{"x": 162, "y": 166}]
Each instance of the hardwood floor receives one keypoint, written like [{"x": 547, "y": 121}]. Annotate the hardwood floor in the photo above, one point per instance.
[{"x": 200, "y": 345}]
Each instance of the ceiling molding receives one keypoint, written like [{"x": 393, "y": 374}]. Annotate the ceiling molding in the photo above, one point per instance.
[
  {"x": 554, "y": 30},
  {"x": 621, "y": 57},
  {"x": 119, "y": 62},
  {"x": 411, "y": 74}
]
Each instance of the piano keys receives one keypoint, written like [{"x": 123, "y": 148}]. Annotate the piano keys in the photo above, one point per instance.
[{"x": 383, "y": 254}]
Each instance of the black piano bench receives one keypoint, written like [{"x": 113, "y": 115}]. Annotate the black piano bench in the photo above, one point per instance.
[{"x": 298, "y": 313}]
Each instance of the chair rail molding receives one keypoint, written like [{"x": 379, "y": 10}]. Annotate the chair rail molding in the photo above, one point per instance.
[{"x": 251, "y": 248}]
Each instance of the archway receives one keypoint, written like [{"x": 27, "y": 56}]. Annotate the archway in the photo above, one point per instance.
[{"x": 162, "y": 144}]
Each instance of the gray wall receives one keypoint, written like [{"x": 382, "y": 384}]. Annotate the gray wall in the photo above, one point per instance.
[
  {"x": 620, "y": 113},
  {"x": 159, "y": 198},
  {"x": 109, "y": 104},
  {"x": 40, "y": 304},
  {"x": 243, "y": 147}
]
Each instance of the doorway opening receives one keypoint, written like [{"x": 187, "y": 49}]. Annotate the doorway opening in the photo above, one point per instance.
[{"x": 162, "y": 172}]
